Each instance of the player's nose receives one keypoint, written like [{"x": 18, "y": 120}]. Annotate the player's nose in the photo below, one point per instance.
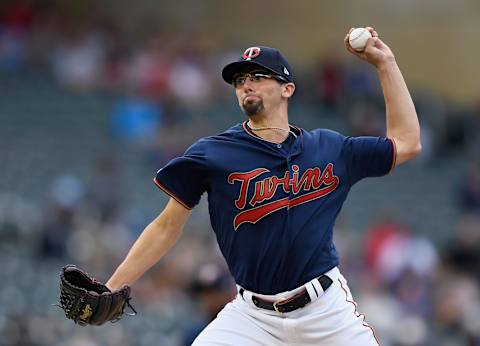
[{"x": 248, "y": 85}]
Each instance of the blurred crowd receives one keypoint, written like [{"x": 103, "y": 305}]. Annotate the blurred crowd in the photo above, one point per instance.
[
  {"x": 413, "y": 289},
  {"x": 165, "y": 77}
]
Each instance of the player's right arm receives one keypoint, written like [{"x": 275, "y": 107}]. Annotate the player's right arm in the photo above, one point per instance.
[
  {"x": 401, "y": 117},
  {"x": 154, "y": 242}
]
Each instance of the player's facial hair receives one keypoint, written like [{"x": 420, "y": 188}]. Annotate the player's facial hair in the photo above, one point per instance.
[{"x": 253, "y": 108}]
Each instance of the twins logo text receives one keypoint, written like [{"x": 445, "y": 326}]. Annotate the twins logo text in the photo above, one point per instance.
[{"x": 313, "y": 182}]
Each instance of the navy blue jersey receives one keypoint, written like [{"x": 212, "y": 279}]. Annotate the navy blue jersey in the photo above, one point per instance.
[{"x": 273, "y": 206}]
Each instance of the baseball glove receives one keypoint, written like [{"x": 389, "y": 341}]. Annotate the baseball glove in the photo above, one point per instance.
[{"x": 87, "y": 301}]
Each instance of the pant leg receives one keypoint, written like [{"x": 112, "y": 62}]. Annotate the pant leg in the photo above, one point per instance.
[
  {"x": 333, "y": 320},
  {"x": 234, "y": 327}
]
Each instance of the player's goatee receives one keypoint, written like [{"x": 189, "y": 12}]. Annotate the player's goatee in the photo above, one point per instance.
[{"x": 252, "y": 108}]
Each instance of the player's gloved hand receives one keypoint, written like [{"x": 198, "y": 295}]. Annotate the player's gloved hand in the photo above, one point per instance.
[
  {"x": 87, "y": 301},
  {"x": 376, "y": 51}
]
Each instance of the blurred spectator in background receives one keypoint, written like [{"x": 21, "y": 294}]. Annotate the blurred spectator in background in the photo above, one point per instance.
[
  {"x": 17, "y": 331},
  {"x": 456, "y": 306},
  {"x": 117, "y": 63},
  {"x": 15, "y": 21},
  {"x": 472, "y": 129},
  {"x": 469, "y": 189},
  {"x": 18, "y": 15},
  {"x": 360, "y": 82},
  {"x": 384, "y": 234},
  {"x": 397, "y": 292},
  {"x": 150, "y": 68},
  {"x": 104, "y": 197},
  {"x": 433, "y": 113},
  {"x": 136, "y": 119},
  {"x": 457, "y": 293},
  {"x": 20, "y": 218},
  {"x": 190, "y": 79},
  {"x": 79, "y": 58},
  {"x": 463, "y": 251},
  {"x": 365, "y": 118},
  {"x": 189, "y": 83},
  {"x": 330, "y": 82},
  {"x": 212, "y": 288},
  {"x": 393, "y": 251},
  {"x": 66, "y": 195}
]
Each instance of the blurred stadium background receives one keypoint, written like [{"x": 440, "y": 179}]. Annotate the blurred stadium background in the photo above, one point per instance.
[{"x": 96, "y": 96}]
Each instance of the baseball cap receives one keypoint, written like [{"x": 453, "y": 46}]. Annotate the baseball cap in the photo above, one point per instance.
[{"x": 259, "y": 57}]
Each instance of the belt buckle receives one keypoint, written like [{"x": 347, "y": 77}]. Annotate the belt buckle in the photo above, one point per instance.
[{"x": 281, "y": 300}]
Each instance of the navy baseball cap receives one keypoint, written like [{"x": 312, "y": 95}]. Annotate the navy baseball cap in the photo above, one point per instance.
[{"x": 259, "y": 57}]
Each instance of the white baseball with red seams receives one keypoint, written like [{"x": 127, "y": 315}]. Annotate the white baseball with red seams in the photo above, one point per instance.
[{"x": 358, "y": 38}]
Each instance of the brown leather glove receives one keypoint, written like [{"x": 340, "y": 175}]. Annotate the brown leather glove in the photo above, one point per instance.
[{"x": 87, "y": 301}]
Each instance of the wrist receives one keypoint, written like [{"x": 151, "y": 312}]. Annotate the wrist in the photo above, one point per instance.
[
  {"x": 114, "y": 284},
  {"x": 110, "y": 286},
  {"x": 386, "y": 64}
]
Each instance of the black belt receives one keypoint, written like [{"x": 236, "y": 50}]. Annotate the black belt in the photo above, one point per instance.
[{"x": 295, "y": 302}]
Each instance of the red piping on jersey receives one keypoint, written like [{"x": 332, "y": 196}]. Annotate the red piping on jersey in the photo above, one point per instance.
[
  {"x": 357, "y": 313},
  {"x": 171, "y": 194},
  {"x": 300, "y": 133},
  {"x": 247, "y": 130},
  {"x": 394, "y": 155}
]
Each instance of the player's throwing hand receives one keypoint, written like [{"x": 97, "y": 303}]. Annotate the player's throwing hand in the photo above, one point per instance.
[{"x": 376, "y": 51}]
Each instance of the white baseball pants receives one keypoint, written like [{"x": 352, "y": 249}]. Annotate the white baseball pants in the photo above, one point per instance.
[{"x": 330, "y": 319}]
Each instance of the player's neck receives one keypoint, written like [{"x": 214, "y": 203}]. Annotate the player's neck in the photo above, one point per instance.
[
  {"x": 274, "y": 129},
  {"x": 277, "y": 119}
]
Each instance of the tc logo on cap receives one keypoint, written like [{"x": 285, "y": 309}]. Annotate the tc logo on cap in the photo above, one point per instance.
[{"x": 250, "y": 53}]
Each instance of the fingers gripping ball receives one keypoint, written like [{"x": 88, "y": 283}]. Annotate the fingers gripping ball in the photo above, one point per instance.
[
  {"x": 87, "y": 301},
  {"x": 358, "y": 38}
]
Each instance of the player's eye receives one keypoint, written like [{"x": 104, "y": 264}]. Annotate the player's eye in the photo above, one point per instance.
[
  {"x": 259, "y": 76},
  {"x": 238, "y": 80}
]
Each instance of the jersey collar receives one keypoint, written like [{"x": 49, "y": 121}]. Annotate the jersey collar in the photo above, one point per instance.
[
  {"x": 296, "y": 130},
  {"x": 298, "y": 145}
]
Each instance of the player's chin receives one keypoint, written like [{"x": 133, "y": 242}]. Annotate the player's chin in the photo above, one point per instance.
[{"x": 252, "y": 108}]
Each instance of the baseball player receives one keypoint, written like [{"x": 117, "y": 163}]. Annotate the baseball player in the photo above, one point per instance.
[{"x": 274, "y": 192}]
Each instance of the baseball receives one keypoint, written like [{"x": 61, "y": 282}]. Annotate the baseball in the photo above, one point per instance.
[{"x": 358, "y": 38}]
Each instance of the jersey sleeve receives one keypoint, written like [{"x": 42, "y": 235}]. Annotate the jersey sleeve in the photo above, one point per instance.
[
  {"x": 368, "y": 156},
  {"x": 185, "y": 178}
]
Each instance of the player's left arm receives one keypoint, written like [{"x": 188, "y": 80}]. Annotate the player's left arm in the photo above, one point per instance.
[{"x": 402, "y": 121}]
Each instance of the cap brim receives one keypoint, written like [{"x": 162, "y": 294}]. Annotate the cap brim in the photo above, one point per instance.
[{"x": 241, "y": 66}]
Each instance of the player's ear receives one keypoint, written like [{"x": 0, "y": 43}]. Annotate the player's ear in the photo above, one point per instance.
[{"x": 288, "y": 89}]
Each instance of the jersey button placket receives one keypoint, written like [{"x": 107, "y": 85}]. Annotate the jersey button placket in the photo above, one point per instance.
[{"x": 288, "y": 160}]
